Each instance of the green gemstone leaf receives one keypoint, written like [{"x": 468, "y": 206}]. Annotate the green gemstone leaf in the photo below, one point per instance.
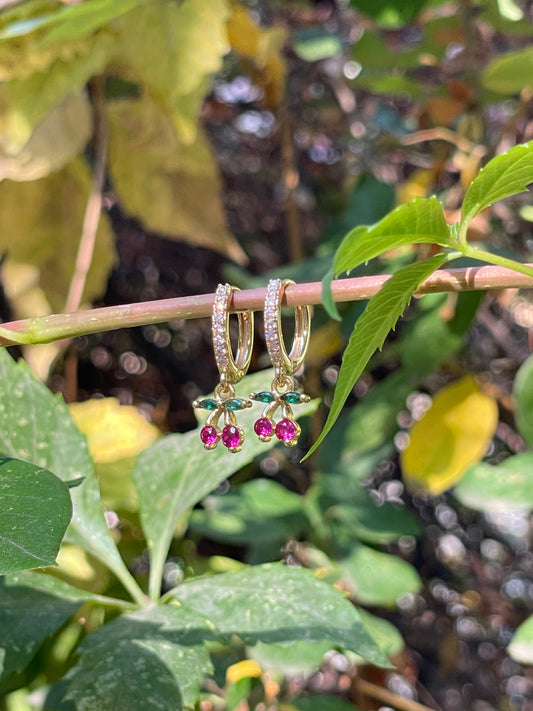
[
  {"x": 207, "y": 404},
  {"x": 372, "y": 327},
  {"x": 264, "y": 396},
  {"x": 35, "y": 511},
  {"x": 235, "y": 403},
  {"x": 275, "y": 603},
  {"x": 156, "y": 655},
  {"x": 292, "y": 398}
]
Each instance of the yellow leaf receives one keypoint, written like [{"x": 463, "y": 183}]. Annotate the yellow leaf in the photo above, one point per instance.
[
  {"x": 453, "y": 434},
  {"x": 262, "y": 48},
  {"x": 113, "y": 431},
  {"x": 174, "y": 48},
  {"x": 417, "y": 185},
  {"x": 40, "y": 224},
  {"x": 242, "y": 670},
  {"x": 171, "y": 187},
  {"x": 60, "y": 136}
]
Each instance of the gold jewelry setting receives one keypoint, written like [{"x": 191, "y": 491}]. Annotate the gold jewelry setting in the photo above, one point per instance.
[
  {"x": 225, "y": 403},
  {"x": 282, "y": 394}
]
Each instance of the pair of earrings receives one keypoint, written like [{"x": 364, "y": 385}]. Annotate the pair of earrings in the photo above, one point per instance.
[{"x": 282, "y": 394}]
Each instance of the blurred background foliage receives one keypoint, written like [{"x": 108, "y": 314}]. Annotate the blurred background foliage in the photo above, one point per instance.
[{"x": 238, "y": 140}]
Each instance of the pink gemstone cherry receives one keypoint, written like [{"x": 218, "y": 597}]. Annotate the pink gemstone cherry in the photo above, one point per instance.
[
  {"x": 286, "y": 430},
  {"x": 263, "y": 427},
  {"x": 231, "y": 437},
  {"x": 209, "y": 435}
]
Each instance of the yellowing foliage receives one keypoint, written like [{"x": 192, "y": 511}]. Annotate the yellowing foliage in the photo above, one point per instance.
[
  {"x": 113, "y": 431},
  {"x": 453, "y": 434},
  {"x": 242, "y": 670}
]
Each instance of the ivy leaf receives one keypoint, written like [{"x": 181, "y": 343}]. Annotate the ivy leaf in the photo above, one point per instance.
[
  {"x": 418, "y": 221},
  {"x": 165, "y": 183},
  {"x": 371, "y": 328},
  {"x": 35, "y": 426},
  {"x": 156, "y": 655},
  {"x": 174, "y": 49},
  {"x": 505, "y": 175},
  {"x": 377, "y": 578},
  {"x": 275, "y": 603},
  {"x": 27, "y": 617},
  {"x": 35, "y": 511},
  {"x": 176, "y": 472}
]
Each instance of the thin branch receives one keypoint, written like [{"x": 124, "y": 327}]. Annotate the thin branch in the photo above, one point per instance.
[
  {"x": 44, "y": 329},
  {"x": 388, "y": 697},
  {"x": 93, "y": 209}
]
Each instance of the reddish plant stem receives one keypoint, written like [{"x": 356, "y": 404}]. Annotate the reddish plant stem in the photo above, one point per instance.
[{"x": 44, "y": 329}]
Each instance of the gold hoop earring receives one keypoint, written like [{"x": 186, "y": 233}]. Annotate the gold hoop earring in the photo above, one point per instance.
[
  {"x": 232, "y": 369},
  {"x": 282, "y": 393}
]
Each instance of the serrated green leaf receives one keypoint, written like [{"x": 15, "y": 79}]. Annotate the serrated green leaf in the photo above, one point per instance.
[
  {"x": 418, "y": 221},
  {"x": 377, "y": 578},
  {"x": 523, "y": 397},
  {"x": 371, "y": 328},
  {"x": 521, "y": 647},
  {"x": 505, "y": 487},
  {"x": 174, "y": 54},
  {"x": 35, "y": 510},
  {"x": 511, "y": 73},
  {"x": 27, "y": 617},
  {"x": 275, "y": 603},
  {"x": 35, "y": 426},
  {"x": 505, "y": 175},
  {"x": 164, "y": 182},
  {"x": 177, "y": 472},
  {"x": 153, "y": 658}
]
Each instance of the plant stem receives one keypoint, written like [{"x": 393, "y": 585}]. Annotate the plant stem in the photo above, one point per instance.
[
  {"x": 499, "y": 261},
  {"x": 388, "y": 697},
  {"x": 93, "y": 209},
  {"x": 45, "y": 329}
]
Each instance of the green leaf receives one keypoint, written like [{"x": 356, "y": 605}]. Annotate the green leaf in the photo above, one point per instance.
[
  {"x": 391, "y": 13},
  {"x": 27, "y": 617},
  {"x": 177, "y": 472},
  {"x": 505, "y": 175},
  {"x": 179, "y": 48},
  {"x": 35, "y": 511},
  {"x": 317, "y": 702},
  {"x": 418, "y": 221},
  {"x": 505, "y": 487},
  {"x": 164, "y": 182},
  {"x": 275, "y": 603},
  {"x": 260, "y": 512},
  {"x": 369, "y": 522},
  {"x": 511, "y": 73},
  {"x": 523, "y": 397},
  {"x": 521, "y": 647},
  {"x": 377, "y": 578},
  {"x": 289, "y": 659},
  {"x": 384, "y": 633},
  {"x": 372, "y": 327},
  {"x": 35, "y": 426},
  {"x": 327, "y": 297},
  {"x": 315, "y": 44},
  {"x": 51, "y": 223},
  {"x": 155, "y": 657}
]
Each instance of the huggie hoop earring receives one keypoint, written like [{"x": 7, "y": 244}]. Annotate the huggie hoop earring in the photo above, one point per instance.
[
  {"x": 282, "y": 394},
  {"x": 232, "y": 370}
]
